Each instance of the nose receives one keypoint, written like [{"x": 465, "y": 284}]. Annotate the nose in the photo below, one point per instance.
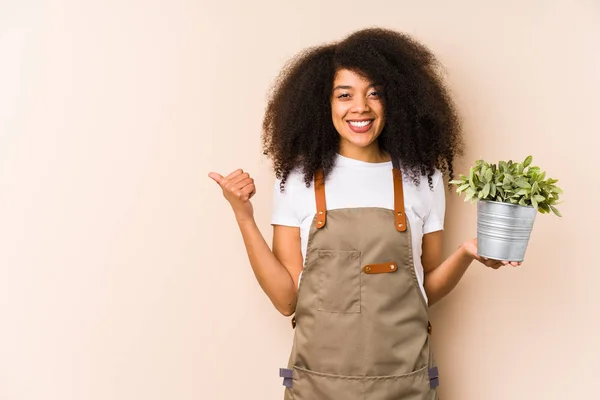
[{"x": 360, "y": 105}]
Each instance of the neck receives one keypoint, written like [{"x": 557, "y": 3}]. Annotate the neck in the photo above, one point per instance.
[{"x": 371, "y": 154}]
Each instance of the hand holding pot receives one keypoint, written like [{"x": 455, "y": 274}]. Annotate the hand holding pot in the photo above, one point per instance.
[{"x": 471, "y": 248}]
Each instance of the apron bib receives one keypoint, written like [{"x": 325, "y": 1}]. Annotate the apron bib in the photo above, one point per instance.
[{"x": 361, "y": 321}]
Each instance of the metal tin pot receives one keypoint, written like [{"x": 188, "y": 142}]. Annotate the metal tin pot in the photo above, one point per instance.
[{"x": 503, "y": 230}]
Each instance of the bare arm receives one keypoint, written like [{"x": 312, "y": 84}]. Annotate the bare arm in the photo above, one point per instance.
[
  {"x": 442, "y": 278},
  {"x": 276, "y": 271}
]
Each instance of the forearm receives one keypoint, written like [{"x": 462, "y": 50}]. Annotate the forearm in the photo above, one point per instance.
[
  {"x": 443, "y": 279},
  {"x": 272, "y": 276}
]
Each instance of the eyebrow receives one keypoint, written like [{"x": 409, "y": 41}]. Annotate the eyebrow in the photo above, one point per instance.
[{"x": 346, "y": 87}]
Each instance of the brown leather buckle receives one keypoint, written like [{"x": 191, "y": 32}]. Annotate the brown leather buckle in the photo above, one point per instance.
[{"x": 380, "y": 268}]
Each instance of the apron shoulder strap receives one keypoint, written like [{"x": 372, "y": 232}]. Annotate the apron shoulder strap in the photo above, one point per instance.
[
  {"x": 400, "y": 216},
  {"x": 398, "y": 197},
  {"x": 319, "y": 184}
]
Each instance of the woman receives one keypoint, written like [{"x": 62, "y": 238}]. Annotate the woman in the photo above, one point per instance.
[{"x": 360, "y": 133}]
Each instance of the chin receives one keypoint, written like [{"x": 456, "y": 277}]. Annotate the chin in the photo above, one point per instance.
[{"x": 364, "y": 140}]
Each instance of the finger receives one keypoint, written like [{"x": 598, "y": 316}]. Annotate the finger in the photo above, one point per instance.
[
  {"x": 495, "y": 264},
  {"x": 216, "y": 177},
  {"x": 511, "y": 263},
  {"x": 235, "y": 173},
  {"x": 235, "y": 180},
  {"x": 235, "y": 186},
  {"x": 247, "y": 186},
  {"x": 247, "y": 189}
]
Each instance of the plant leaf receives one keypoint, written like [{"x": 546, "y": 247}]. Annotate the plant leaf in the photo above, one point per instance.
[
  {"x": 555, "y": 211},
  {"x": 489, "y": 174},
  {"x": 541, "y": 176},
  {"x": 462, "y": 188},
  {"x": 545, "y": 207},
  {"x": 486, "y": 190},
  {"x": 469, "y": 194},
  {"x": 527, "y": 161}
]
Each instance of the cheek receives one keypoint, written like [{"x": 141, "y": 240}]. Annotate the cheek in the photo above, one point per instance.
[
  {"x": 340, "y": 109},
  {"x": 380, "y": 112},
  {"x": 337, "y": 112},
  {"x": 378, "y": 108}
]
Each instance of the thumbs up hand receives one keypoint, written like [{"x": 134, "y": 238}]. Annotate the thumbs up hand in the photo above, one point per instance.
[{"x": 238, "y": 188}]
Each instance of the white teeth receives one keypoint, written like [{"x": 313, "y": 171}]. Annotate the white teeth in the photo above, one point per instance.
[{"x": 360, "y": 124}]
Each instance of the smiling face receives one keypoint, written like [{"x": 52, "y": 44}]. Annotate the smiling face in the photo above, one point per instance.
[{"x": 357, "y": 114}]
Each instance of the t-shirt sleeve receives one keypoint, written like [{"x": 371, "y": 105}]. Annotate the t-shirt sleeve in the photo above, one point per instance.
[
  {"x": 284, "y": 212},
  {"x": 434, "y": 221}
]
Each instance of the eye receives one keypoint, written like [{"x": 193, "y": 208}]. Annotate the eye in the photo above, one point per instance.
[
  {"x": 374, "y": 93},
  {"x": 343, "y": 95}
]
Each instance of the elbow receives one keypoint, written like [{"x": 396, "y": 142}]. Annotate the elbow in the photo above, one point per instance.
[
  {"x": 286, "y": 305},
  {"x": 286, "y": 310}
]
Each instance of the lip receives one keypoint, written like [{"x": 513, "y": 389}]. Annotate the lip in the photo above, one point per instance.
[{"x": 361, "y": 129}]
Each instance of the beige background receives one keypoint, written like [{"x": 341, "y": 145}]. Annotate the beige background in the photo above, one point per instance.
[{"x": 122, "y": 274}]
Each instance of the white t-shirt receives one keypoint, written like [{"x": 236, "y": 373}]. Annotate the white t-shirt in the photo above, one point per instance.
[{"x": 354, "y": 183}]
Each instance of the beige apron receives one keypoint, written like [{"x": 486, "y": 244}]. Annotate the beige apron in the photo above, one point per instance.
[{"x": 362, "y": 329}]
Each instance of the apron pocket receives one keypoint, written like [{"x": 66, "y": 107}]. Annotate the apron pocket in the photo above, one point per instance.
[
  {"x": 309, "y": 385},
  {"x": 412, "y": 386},
  {"x": 339, "y": 284}
]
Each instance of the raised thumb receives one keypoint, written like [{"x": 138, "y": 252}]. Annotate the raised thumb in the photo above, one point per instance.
[{"x": 216, "y": 177}]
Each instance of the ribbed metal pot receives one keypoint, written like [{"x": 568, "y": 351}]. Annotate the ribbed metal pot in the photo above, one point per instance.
[{"x": 503, "y": 230}]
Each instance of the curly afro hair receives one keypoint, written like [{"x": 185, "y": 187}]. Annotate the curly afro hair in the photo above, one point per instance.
[{"x": 422, "y": 129}]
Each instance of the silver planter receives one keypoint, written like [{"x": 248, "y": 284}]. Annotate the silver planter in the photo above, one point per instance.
[{"x": 503, "y": 230}]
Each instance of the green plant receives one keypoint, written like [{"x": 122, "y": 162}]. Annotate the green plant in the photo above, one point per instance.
[{"x": 510, "y": 182}]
